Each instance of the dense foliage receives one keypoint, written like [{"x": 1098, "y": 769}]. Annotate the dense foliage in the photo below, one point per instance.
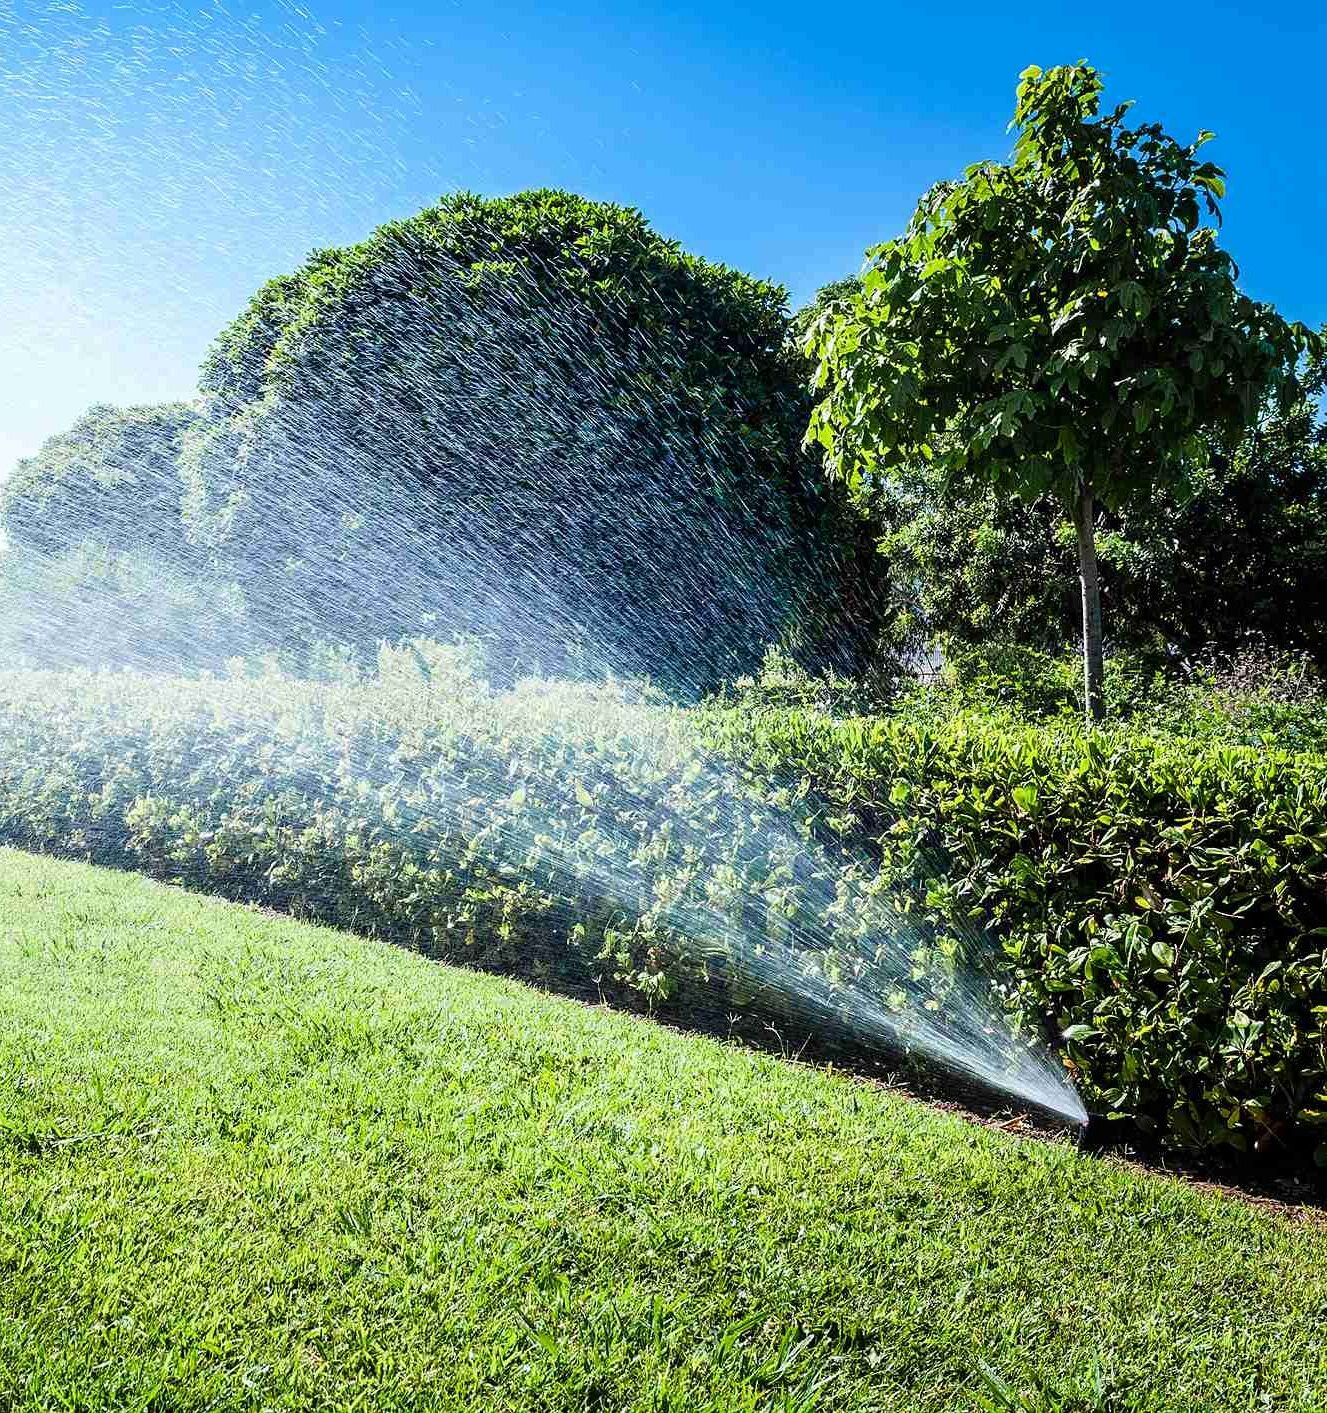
[
  {"x": 1253, "y": 697},
  {"x": 1237, "y": 551},
  {"x": 1161, "y": 904},
  {"x": 1157, "y": 907},
  {"x": 113, "y": 479},
  {"x": 97, "y": 568},
  {"x": 1063, "y": 324},
  {"x": 536, "y": 420}
]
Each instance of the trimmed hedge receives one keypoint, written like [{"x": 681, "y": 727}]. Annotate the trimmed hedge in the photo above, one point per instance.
[
  {"x": 454, "y": 821},
  {"x": 557, "y": 834},
  {"x": 1161, "y": 904}
]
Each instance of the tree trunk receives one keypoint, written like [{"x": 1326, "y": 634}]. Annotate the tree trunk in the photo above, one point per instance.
[{"x": 1093, "y": 663}]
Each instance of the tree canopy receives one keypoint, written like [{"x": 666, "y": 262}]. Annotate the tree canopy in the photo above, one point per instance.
[
  {"x": 113, "y": 478},
  {"x": 534, "y": 419},
  {"x": 1062, "y": 324},
  {"x": 1238, "y": 550}
]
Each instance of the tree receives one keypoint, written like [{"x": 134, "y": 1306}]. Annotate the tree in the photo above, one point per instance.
[
  {"x": 1239, "y": 550},
  {"x": 113, "y": 479},
  {"x": 1062, "y": 324},
  {"x": 536, "y": 420},
  {"x": 799, "y": 326}
]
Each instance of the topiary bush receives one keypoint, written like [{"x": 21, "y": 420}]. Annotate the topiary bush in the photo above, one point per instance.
[{"x": 535, "y": 420}]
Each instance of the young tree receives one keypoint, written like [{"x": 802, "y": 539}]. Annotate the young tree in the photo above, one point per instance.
[{"x": 1062, "y": 323}]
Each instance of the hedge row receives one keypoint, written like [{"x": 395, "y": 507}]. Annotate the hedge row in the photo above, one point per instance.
[
  {"x": 557, "y": 834},
  {"x": 1158, "y": 909},
  {"x": 1161, "y": 905}
]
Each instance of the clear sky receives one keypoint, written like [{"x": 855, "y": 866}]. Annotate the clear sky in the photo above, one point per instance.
[{"x": 160, "y": 158}]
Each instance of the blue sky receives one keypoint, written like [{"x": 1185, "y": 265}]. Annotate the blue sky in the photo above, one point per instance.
[{"x": 158, "y": 160}]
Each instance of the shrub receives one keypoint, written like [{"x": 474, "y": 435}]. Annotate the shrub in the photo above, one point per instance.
[
  {"x": 1014, "y": 685},
  {"x": 559, "y": 833},
  {"x": 1160, "y": 905},
  {"x": 784, "y": 682},
  {"x": 536, "y": 420},
  {"x": 1253, "y": 696}
]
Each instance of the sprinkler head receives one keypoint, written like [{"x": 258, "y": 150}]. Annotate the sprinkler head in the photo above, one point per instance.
[{"x": 1097, "y": 1133}]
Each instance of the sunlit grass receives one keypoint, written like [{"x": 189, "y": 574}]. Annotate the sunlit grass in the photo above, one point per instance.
[{"x": 246, "y": 1163}]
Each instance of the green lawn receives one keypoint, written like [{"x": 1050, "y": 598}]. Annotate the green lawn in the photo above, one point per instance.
[{"x": 246, "y": 1163}]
